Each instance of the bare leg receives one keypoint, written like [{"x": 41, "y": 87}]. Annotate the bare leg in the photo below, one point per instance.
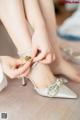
[
  {"x": 13, "y": 18},
  {"x": 37, "y": 22},
  {"x": 60, "y": 66},
  {"x": 37, "y": 75}
]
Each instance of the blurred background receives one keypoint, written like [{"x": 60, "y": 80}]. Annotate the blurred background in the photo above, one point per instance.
[{"x": 68, "y": 26}]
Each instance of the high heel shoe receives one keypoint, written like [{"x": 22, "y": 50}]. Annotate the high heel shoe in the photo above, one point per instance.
[
  {"x": 3, "y": 80},
  {"x": 56, "y": 89}
]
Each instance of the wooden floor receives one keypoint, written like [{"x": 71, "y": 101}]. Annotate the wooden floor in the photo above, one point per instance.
[{"x": 23, "y": 103}]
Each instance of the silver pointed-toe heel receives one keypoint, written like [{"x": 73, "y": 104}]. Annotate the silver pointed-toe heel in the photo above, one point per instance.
[
  {"x": 56, "y": 89},
  {"x": 66, "y": 92}
]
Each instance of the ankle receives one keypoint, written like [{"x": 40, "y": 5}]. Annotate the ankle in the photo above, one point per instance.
[
  {"x": 58, "y": 61},
  {"x": 25, "y": 52},
  {"x": 41, "y": 76}
]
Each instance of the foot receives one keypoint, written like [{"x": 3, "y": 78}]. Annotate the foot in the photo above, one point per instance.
[
  {"x": 41, "y": 75},
  {"x": 47, "y": 85},
  {"x": 65, "y": 69}
]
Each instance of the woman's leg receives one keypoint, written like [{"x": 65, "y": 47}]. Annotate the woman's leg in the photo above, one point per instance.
[
  {"x": 38, "y": 76},
  {"x": 13, "y": 18},
  {"x": 40, "y": 38},
  {"x": 41, "y": 74},
  {"x": 60, "y": 66}
]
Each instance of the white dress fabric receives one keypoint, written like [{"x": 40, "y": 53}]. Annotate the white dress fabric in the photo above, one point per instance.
[{"x": 3, "y": 80}]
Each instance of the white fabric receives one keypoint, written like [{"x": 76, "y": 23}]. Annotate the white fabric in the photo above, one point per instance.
[
  {"x": 3, "y": 80},
  {"x": 71, "y": 26}
]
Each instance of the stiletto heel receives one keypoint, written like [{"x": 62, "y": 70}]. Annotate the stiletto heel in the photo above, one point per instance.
[{"x": 25, "y": 54}]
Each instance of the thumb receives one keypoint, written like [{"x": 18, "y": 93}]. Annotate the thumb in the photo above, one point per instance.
[
  {"x": 39, "y": 57},
  {"x": 20, "y": 61}
]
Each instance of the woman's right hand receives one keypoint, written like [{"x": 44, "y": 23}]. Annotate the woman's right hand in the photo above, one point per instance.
[
  {"x": 15, "y": 68},
  {"x": 41, "y": 43}
]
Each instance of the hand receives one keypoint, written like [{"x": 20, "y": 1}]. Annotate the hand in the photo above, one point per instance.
[
  {"x": 42, "y": 50},
  {"x": 15, "y": 68}
]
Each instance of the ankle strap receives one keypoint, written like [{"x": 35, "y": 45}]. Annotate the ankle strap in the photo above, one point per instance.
[{"x": 25, "y": 52}]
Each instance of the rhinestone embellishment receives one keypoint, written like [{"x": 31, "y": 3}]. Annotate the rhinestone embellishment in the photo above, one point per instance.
[{"x": 54, "y": 88}]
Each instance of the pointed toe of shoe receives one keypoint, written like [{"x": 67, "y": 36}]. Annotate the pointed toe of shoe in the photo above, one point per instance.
[
  {"x": 65, "y": 92},
  {"x": 57, "y": 90}
]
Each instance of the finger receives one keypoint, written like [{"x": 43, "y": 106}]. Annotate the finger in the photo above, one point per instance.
[
  {"x": 25, "y": 74},
  {"x": 47, "y": 60},
  {"x": 39, "y": 57},
  {"x": 9, "y": 72},
  {"x": 22, "y": 69},
  {"x": 34, "y": 53},
  {"x": 20, "y": 61},
  {"x": 13, "y": 73}
]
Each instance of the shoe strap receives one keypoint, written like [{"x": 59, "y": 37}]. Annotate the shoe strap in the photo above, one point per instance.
[
  {"x": 51, "y": 89},
  {"x": 54, "y": 88},
  {"x": 25, "y": 52}
]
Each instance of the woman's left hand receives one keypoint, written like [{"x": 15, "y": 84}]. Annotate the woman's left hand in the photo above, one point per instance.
[{"x": 15, "y": 68}]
